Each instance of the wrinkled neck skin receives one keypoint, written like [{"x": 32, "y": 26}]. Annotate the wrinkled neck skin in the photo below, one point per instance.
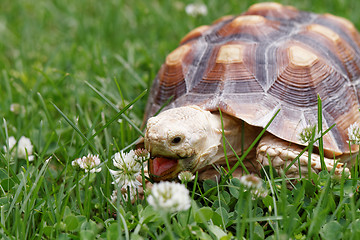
[{"x": 239, "y": 135}]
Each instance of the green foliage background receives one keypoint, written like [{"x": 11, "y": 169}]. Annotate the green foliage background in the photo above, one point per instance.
[{"x": 52, "y": 52}]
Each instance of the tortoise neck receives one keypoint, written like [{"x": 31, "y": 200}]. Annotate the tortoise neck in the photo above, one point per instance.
[{"x": 239, "y": 136}]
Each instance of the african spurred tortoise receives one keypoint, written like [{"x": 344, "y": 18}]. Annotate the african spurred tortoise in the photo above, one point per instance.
[{"x": 271, "y": 57}]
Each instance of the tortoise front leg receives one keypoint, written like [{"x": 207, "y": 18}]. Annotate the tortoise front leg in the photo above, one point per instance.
[{"x": 282, "y": 153}]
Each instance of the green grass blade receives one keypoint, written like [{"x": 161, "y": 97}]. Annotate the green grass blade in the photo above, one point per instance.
[
  {"x": 223, "y": 140},
  {"x": 236, "y": 165},
  {"x": 47, "y": 113},
  {"x": 310, "y": 150},
  {"x": 120, "y": 112},
  {"x": 261, "y": 219},
  {"x": 36, "y": 184},
  {"x": 76, "y": 128},
  {"x": 321, "y": 142},
  {"x": 130, "y": 70},
  {"x": 120, "y": 92},
  {"x": 17, "y": 193},
  {"x": 274, "y": 198},
  {"x": 164, "y": 105},
  {"x": 238, "y": 158},
  {"x": 305, "y": 149}
]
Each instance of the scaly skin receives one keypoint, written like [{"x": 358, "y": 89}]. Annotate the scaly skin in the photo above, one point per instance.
[
  {"x": 282, "y": 153},
  {"x": 193, "y": 137}
]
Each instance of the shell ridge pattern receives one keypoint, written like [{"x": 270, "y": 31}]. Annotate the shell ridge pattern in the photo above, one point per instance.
[
  {"x": 209, "y": 32},
  {"x": 199, "y": 72},
  {"x": 322, "y": 20},
  {"x": 334, "y": 47},
  {"x": 195, "y": 66},
  {"x": 356, "y": 86},
  {"x": 280, "y": 40},
  {"x": 262, "y": 58},
  {"x": 335, "y": 132},
  {"x": 288, "y": 58},
  {"x": 327, "y": 53}
]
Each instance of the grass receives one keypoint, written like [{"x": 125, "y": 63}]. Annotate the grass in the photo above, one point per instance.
[{"x": 79, "y": 70}]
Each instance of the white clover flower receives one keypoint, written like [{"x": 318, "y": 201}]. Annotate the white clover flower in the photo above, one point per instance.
[
  {"x": 113, "y": 196},
  {"x": 123, "y": 180},
  {"x": 127, "y": 162},
  {"x": 142, "y": 154},
  {"x": 169, "y": 196},
  {"x": 251, "y": 181},
  {"x": 11, "y": 142},
  {"x": 354, "y": 134},
  {"x": 196, "y": 9},
  {"x": 89, "y": 163},
  {"x": 305, "y": 135},
  {"x": 124, "y": 193},
  {"x": 16, "y": 108},
  {"x": 255, "y": 185},
  {"x": 259, "y": 193},
  {"x": 129, "y": 166},
  {"x": 23, "y": 146},
  {"x": 186, "y": 176}
]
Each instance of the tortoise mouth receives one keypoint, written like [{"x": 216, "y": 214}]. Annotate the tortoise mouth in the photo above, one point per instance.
[{"x": 162, "y": 168}]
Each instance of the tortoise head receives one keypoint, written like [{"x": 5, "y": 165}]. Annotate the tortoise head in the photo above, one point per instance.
[{"x": 181, "y": 139}]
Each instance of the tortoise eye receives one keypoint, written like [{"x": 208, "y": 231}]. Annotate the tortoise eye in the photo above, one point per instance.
[{"x": 176, "y": 140}]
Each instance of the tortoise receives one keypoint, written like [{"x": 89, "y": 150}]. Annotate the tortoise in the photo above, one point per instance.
[{"x": 232, "y": 77}]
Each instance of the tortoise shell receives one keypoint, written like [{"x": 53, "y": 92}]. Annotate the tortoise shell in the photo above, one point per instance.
[{"x": 270, "y": 57}]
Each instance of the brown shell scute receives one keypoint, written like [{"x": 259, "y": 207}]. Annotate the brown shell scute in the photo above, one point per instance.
[
  {"x": 273, "y": 10},
  {"x": 342, "y": 26},
  {"x": 197, "y": 32},
  {"x": 302, "y": 76},
  {"x": 252, "y": 25},
  {"x": 347, "y": 55},
  {"x": 173, "y": 73},
  {"x": 268, "y": 58}
]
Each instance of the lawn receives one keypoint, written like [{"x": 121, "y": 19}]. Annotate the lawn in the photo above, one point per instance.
[{"x": 74, "y": 78}]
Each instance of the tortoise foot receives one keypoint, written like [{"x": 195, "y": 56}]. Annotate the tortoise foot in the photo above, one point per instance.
[{"x": 282, "y": 153}]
